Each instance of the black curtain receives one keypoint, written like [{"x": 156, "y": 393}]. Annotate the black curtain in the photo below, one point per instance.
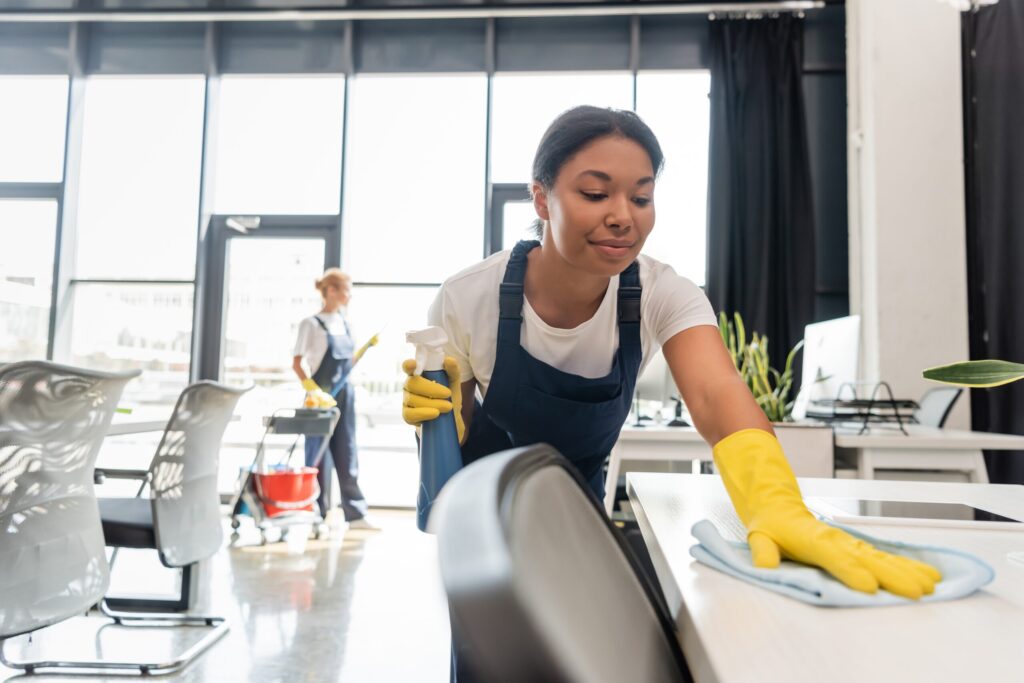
[
  {"x": 994, "y": 151},
  {"x": 761, "y": 259}
]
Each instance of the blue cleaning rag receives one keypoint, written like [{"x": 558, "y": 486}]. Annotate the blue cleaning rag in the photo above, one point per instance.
[{"x": 962, "y": 573}]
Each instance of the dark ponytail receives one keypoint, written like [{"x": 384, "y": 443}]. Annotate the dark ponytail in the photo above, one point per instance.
[{"x": 576, "y": 128}]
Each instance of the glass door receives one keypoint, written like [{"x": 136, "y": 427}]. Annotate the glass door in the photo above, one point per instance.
[
  {"x": 261, "y": 273},
  {"x": 268, "y": 290}
]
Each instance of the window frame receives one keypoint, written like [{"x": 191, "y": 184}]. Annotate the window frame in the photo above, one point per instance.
[{"x": 84, "y": 44}]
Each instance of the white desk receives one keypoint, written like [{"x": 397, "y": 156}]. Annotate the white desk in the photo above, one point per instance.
[
  {"x": 732, "y": 632},
  {"x": 881, "y": 448},
  {"x": 125, "y": 424},
  {"x": 926, "y": 448}
]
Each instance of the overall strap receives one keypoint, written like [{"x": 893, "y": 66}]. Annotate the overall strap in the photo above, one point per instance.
[
  {"x": 324, "y": 325},
  {"x": 510, "y": 295},
  {"x": 629, "y": 306}
]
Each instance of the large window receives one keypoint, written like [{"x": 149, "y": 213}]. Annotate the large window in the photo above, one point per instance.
[
  {"x": 33, "y": 117},
  {"x": 33, "y": 112},
  {"x": 126, "y": 326},
  {"x": 414, "y": 182},
  {"x": 387, "y": 450},
  {"x": 524, "y": 106},
  {"x": 405, "y": 161},
  {"x": 279, "y": 145},
  {"x": 26, "y": 274},
  {"x": 414, "y": 213},
  {"x": 675, "y": 105},
  {"x": 136, "y": 222},
  {"x": 139, "y": 196}
]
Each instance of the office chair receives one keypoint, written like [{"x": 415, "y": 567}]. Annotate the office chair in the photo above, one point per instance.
[
  {"x": 539, "y": 582},
  {"x": 53, "y": 419},
  {"x": 181, "y": 517},
  {"x": 935, "y": 406}
]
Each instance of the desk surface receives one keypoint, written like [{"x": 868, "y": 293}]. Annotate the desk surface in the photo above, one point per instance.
[
  {"x": 733, "y": 632},
  {"x": 125, "y": 424},
  {"x": 931, "y": 438},
  {"x": 917, "y": 437}
]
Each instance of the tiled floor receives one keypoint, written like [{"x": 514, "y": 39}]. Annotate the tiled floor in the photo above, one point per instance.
[{"x": 362, "y": 607}]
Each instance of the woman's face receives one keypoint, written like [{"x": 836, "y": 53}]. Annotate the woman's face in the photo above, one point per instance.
[
  {"x": 601, "y": 206},
  {"x": 335, "y": 295}
]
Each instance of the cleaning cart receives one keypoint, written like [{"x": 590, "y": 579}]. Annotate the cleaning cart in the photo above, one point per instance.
[{"x": 284, "y": 495}]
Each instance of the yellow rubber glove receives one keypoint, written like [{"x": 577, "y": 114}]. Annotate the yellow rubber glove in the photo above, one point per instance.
[
  {"x": 425, "y": 400},
  {"x": 315, "y": 396},
  {"x": 768, "y": 501},
  {"x": 372, "y": 341}
]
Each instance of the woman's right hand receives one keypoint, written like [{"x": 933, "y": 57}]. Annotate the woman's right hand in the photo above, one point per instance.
[
  {"x": 426, "y": 400},
  {"x": 317, "y": 397}
]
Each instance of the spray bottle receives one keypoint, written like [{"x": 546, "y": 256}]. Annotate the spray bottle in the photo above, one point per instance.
[{"x": 440, "y": 456}]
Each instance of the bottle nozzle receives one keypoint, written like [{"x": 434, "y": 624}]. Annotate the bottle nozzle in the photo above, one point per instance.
[{"x": 430, "y": 343}]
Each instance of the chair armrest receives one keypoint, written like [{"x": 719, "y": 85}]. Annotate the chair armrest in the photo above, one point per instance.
[{"x": 101, "y": 474}]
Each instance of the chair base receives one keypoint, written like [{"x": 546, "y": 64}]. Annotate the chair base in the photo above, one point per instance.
[
  {"x": 182, "y": 603},
  {"x": 219, "y": 626}
]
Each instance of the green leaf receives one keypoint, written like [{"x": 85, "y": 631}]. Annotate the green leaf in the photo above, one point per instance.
[
  {"x": 792, "y": 355},
  {"x": 977, "y": 373},
  {"x": 769, "y": 387},
  {"x": 741, "y": 330},
  {"x": 784, "y": 395}
]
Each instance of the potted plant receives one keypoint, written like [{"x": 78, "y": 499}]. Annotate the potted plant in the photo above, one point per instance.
[{"x": 770, "y": 387}]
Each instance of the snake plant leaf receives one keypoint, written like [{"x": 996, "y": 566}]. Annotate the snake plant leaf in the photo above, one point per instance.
[
  {"x": 741, "y": 330},
  {"x": 770, "y": 388},
  {"x": 791, "y": 356},
  {"x": 977, "y": 373}
]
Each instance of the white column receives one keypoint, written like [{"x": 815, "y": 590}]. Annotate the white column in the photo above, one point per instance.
[{"x": 908, "y": 262}]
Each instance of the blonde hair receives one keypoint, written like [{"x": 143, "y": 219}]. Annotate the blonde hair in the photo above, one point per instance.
[{"x": 332, "y": 277}]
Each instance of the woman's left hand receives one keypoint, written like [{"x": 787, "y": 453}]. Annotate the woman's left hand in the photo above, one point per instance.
[
  {"x": 372, "y": 341},
  {"x": 768, "y": 501}
]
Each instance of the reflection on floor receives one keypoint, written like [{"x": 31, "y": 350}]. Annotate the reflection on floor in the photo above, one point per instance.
[{"x": 360, "y": 606}]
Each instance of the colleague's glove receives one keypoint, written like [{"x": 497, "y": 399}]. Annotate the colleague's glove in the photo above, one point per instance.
[
  {"x": 425, "y": 400},
  {"x": 768, "y": 501},
  {"x": 315, "y": 396},
  {"x": 372, "y": 341}
]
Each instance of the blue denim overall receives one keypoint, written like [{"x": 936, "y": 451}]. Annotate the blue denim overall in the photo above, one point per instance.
[
  {"x": 529, "y": 401},
  {"x": 332, "y": 377}
]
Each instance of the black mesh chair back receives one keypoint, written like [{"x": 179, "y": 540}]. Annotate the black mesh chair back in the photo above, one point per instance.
[
  {"x": 52, "y": 422},
  {"x": 183, "y": 481},
  {"x": 935, "y": 406},
  {"x": 540, "y": 584}
]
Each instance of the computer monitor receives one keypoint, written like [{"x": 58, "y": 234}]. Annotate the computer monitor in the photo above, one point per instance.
[
  {"x": 655, "y": 382},
  {"x": 655, "y": 385},
  {"x": 830, "y": 359}
]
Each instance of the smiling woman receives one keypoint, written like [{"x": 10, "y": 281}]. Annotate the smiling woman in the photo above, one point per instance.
[{"x": 554, "y": 333}]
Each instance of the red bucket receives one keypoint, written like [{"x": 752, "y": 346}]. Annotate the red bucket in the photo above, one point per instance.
[{"x": 287, "y": 490}]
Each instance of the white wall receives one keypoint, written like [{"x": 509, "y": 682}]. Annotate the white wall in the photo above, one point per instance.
[{"x": 908, "y": 272}]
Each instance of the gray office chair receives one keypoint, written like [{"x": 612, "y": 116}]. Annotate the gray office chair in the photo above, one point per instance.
[
  {"x": 539, "y": 582},
  {"x": 52, "y": 565},
  {"x": 180, "y": 519},
  {"x": 935, "y": 406}
]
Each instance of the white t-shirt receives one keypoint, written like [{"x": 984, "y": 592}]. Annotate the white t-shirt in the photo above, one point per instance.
[
  {"x": 311, "y": 342},
  {"x": 467, "y": 308}
]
